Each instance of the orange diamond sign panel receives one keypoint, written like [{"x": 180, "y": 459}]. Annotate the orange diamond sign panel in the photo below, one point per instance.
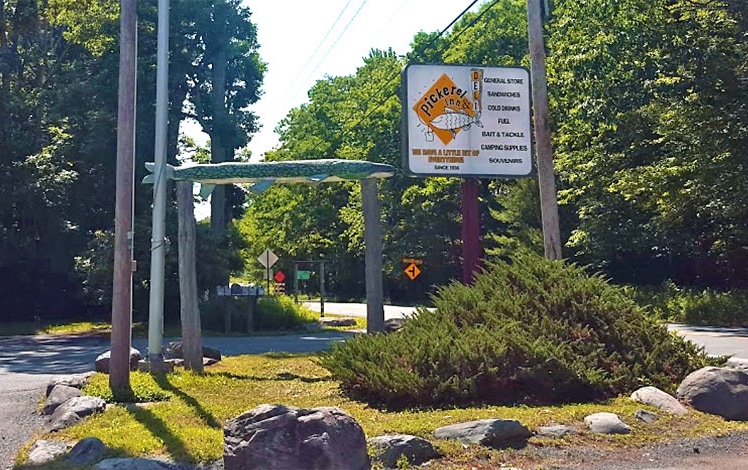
[
  {"x": 446, "y": 109},
  {"x": 412, "y": 271}
]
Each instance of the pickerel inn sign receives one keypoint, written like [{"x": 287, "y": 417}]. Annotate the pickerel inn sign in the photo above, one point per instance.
[{"x": 467, "y": 121}]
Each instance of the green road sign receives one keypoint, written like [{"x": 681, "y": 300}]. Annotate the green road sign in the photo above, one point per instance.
[{"x": 303, "y": 275}]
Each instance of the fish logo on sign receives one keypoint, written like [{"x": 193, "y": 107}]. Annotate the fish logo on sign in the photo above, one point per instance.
[{"x": 446, "y": 109}]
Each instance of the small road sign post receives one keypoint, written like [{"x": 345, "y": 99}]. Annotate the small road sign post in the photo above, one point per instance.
[
  {"x": 412, "y": 271},
  {"x": 267, "y": 259}
]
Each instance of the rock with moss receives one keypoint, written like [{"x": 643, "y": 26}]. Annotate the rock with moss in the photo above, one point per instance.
[
  {"x": 391, "y": 449},
  {"x": 498, "y": 433}
]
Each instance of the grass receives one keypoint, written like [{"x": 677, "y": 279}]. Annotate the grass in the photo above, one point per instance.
[
  {"x": 50, "y": 328},
  {"x": 188, "y": 425}
]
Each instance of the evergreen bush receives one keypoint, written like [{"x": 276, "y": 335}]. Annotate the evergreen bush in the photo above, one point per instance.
[{"x": 530, "y": 331}]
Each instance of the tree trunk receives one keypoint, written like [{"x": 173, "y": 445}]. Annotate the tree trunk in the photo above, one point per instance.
[
  {"x": 189, "y": 311},
  {"x": 218, "y": 149}
]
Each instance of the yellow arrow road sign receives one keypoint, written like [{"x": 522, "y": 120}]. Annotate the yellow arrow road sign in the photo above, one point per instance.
[{"x": 412, "y": 271}]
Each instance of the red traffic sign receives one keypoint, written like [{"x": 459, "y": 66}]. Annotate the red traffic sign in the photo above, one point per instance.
[{"x": 279, "y": 276}]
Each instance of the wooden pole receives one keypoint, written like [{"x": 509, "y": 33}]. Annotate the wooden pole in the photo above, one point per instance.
[
  {"x": 119, "y": 365},
  {"x": 470, "y": 230},
  {"x": 373, "y": 256},
  {"x": 189, "y": 311},
  {"x": 543, "y": 147}
]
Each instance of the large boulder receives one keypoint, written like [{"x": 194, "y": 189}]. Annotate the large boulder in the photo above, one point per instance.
[
  {"x": 496, "y": 433},
  {"x": 76, "y": 381},
  {"x": 102, "y": 362},
  {"x": 390, "y": 448},
  {"x": 655, "y": 397},
  {"x": 87, "y": 451},
  {"x": 275, "y": 437},
  {"x": 59, "y": 395},
  {"x": 720, "y": 391},
  {"x": 73, "y": 410}
]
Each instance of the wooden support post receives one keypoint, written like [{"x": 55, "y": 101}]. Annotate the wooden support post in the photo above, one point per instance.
[
  {"x": 189, "y": 310},
  {"x": 470, "y": 229},
  {"x": 543, "y": 147},
  {"x": 119, "y": 365},
  {"x": 373, "y": 257}
]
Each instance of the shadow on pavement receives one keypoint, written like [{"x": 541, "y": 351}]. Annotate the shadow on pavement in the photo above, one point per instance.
[{"x": 77, "y": 354}]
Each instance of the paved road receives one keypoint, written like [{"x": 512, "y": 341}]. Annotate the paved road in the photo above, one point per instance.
[{"x": 717, "y": 341}]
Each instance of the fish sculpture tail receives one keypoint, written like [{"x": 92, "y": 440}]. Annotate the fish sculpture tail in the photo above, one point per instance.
[{"x": 151, "y": 166}]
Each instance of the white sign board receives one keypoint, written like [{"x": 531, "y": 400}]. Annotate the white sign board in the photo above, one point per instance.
[
  {"x": 267, "y": 258},
  {"x": 469, "y": 121}
]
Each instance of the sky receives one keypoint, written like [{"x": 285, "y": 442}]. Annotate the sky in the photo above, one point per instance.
[{"x": 304, "y": 41}]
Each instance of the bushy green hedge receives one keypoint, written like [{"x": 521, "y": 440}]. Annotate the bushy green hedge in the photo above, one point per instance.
[
  {"x": 529, "y": 331},
  {"x": 280, "y": 312},
  {"x": 697, "y": 307}
]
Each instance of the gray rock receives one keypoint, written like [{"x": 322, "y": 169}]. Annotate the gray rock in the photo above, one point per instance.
[
  {"x": 60, "y": 421},
  {"x": 555, "y": 431},
  {"x": 284, "y": 437},
  {"x": 606, "y": 423},
  {"x": 46, "y": 451},
  {"x": 655, "y": 397},
  {"x": 76, "y": 381},
  {"x": 646, "y": 416},
  {"x": 71, "y": 412},
  {"x": 394, "y": 324},
  {"x": 175, "y": 350},
  {"x": 130, "y": 464},
  {"x": 487, "y": 432},
  {"x": 388, "y": 449},
  {"x": 337, "y": 321},
  {"x": 59, "y": 395},
  {"x": 102, "y": 361},
  {"x": 82, "y": 406},
  {"x": 721, "y": 391},
  {"x": 737, "y": 363},
  {"x": 86, "y": 452}
]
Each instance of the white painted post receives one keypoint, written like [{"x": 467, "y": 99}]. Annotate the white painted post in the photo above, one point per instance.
[{"x": 158, "y": 227}]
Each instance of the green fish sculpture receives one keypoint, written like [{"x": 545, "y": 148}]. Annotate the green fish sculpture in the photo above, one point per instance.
[{"x": 261, "y": 175}]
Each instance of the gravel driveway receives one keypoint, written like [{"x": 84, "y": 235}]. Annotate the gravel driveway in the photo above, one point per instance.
[{"x": 18, "y": 417}]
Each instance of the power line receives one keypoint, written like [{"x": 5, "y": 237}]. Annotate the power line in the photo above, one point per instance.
[
  {"x": 430, "y": 43},
  {"x": 311, "y": 57},
  {"x": 335, "y": 42}
]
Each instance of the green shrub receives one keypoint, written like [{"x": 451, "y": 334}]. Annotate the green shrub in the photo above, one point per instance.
[
  {"x": 272, "y": 313},
  {"x": 529, "y": 331},
  {"x": 280, "y": 312},
  {"x": 697, "y": 307}
]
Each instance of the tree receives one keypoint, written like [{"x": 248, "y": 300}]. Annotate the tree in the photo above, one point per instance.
[
  {"x": 224, "y": 73},
  {"x": 651, "y": 111}
]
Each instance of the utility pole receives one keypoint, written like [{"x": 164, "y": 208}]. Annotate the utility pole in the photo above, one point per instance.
[
  {"x": 158, "y": 227},
  {"x": 543, "y": 147},
  {"x": 119, "y": 365}
]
